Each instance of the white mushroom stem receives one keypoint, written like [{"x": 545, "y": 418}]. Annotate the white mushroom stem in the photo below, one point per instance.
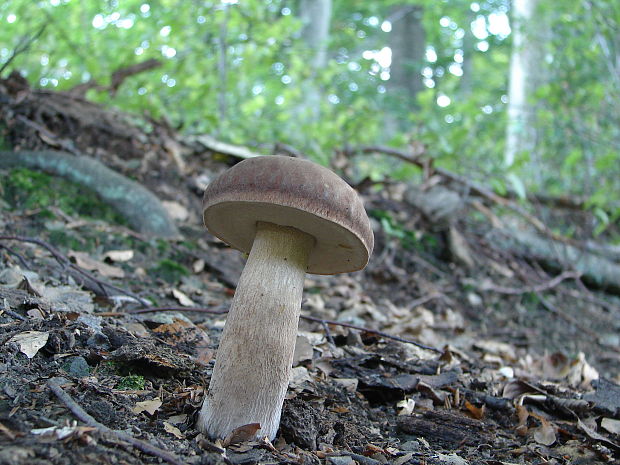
[{"x": 255, "y": 355}]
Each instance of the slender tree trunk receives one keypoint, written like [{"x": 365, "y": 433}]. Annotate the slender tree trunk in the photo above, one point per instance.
[
  {"x": 316, "y": 17},
  {"x": 222, "y": 65},
  {"x": 524, "y": 67},
  {"x": 469, "y": 43},
  {"x": 408, "y": 44}
]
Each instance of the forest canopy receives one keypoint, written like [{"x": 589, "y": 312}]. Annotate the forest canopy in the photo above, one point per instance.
[{"x": 520, "y": 95}]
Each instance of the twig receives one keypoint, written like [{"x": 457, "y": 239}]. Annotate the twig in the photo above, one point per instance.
[
  {"x": 569, "y": 319},
  {"x": 90, "y": 421},
  {"x": 213, "y": 311},
  {"x": 23, "y": 45},
  {"x": 328, "y": 333},
  {"x": 21, "y": 259},
  {"x": 536, "y": 289},
  {"x": 305, "y": 317},
  {"x": 117, "y": 78},
  {"x": 373, "y": 331},
  {"x": 10, "y": 312},
  {"x": 66, "y": 263}
]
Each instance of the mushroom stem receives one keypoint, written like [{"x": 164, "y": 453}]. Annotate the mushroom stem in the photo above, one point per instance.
[{"x": 255, "y": 355}]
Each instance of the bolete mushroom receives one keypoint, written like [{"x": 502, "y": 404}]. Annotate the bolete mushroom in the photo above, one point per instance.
[{"x": 292, "y": 216}]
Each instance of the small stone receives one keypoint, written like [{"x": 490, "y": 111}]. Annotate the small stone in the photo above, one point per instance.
[
  {"x": 341, "y": 460},
  {"x": 410, "y": 446},
  {"x": 78, "y": 367}
]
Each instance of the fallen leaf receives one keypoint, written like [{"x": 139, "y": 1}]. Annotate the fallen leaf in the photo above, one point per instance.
[
  {"x": 85, "y": 261},
  {"x": 476, "y": 412},
  {"x": 303, "y": 350},
  {"x": 118, "y": 255},
  {"x": 30, "y": 342},
  {"x": 596, "y": 436},
  {"x": 523, "y": 415},
  {"x": 349, "y": 384},
  {"x": 173, "y": 430},
  {"x": 611, "y": 425},
  {"x": 545, "y": 433},
  {"x": 299, "y": 376},
  {"x": 148, "y": 406},
  {"x": 198, "y": 265},
  {"x": 177, "y": 419},
  {"x": 182, "y": 298},
  {"x": 405, "y": 406},
  {"x": 242, "y": 434}
]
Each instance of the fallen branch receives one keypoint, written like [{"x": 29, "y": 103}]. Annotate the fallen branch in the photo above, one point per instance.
[
  {"x": 237, "y": 151},
  {"x": 528, "y": 289},
  {"x": 81, "y": 414}
]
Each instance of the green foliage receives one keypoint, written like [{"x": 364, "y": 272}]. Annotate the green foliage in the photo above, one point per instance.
[
  {"x": 169, "y": 270},
  {"x": 409, "y": 239}
]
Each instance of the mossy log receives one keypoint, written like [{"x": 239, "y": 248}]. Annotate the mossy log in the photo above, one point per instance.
[{"x": 139, "y": 206}]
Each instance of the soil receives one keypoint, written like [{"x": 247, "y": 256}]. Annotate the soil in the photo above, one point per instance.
[{"x": 427, "y": 360}]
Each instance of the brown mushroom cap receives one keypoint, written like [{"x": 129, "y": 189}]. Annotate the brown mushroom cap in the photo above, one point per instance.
[{"x": 291, "y": 192}]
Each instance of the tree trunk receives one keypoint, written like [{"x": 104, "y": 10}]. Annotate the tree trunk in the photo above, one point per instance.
[
  {"x": 469, "y": 46},
  {"x": 408, "y": 43},
  {"x": 524, "y": 63},
  {"x": 316, "y": 17}
]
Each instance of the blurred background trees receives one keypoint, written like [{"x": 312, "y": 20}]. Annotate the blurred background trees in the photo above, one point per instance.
[{"x": 523, "y": 96}]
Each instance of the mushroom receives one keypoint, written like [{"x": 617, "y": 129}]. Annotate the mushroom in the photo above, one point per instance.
[{"x": 292, "y": 216}]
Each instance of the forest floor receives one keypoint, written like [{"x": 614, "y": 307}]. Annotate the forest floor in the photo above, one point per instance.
[{"x": 108, "y": 336}]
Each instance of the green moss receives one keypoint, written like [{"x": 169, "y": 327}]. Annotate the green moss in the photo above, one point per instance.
[
  {"x": 27, "y": 189},
  {"x": 169, "y": 270},
  {"x": 131, "y": 383}
]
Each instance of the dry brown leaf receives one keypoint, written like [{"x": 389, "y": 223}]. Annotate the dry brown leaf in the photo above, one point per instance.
[
  {"x": 148, "y": 406},
  {"x": 173, "y": 430},
  {"x": 523, "y": 415},
  {"x": 476, "y": 412},
  {"x": 30, "y": 342},
  {"x": 242, "y": 434},
  {"x": 85, "y": 261}
]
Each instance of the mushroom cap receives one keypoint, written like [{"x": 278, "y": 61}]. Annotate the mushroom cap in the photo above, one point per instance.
[{"x": 291, "y": 192}]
